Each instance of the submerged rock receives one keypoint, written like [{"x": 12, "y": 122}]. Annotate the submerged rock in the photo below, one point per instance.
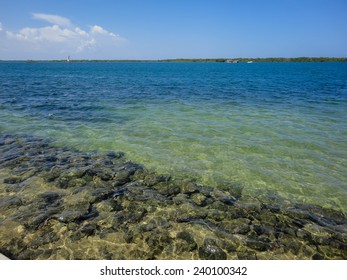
[
  {"x": 188, "y": 243},
  {"x": 210, "y": 251},
  {"x": 68, "y": 216},
  {"x": 100, "y": 205}
]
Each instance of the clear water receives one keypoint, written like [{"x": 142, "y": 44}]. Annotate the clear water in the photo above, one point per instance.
[{"x": 269, "y": 126}]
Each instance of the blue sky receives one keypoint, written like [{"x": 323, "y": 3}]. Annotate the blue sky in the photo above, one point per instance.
[{"x": 159, "y": 29}]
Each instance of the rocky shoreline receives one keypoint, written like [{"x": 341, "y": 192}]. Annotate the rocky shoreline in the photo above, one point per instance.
[{"x": 56, "y": 203}]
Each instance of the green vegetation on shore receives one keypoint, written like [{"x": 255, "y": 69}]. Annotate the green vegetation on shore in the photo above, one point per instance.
[{"x": 267, "y": 59}]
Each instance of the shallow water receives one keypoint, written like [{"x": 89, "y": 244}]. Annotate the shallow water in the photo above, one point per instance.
[
  {"x": 268, "y": 126},
  {"x": 58, "y": 203}
]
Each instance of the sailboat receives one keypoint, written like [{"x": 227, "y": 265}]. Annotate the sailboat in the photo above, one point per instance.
[{"x": 68, "y": 59}]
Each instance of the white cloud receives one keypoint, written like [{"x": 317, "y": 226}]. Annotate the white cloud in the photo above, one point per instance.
[
  {"x": 54, "y": 19},
  {"x": 60, "y": 38},
  {"x": 97, "y": 29},
  {"x": 53, "y": 34}
]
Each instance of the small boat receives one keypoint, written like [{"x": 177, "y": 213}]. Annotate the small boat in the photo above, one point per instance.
[
  {"x": 250, "y": 61},
  {"x": 68, "y": 59}
]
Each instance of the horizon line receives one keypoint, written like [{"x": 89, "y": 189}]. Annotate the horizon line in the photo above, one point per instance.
[{"x": 220, "y": 59}]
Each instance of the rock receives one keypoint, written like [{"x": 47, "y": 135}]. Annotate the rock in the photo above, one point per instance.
[
  {"x": 36, "y": 221},
  {"x": 259, "y": 245},
  {"x": 291, "y": 244},
  {"x": 120, "y": 178},
  {"x": 199, "y": 199},
  {"x": 47, "y": 237},
  {"x": 247, "y": 255},
  {"x": 317, "y": 256},
  {"x": 35, "y": 254},
  {"x": 103, "y": 173},
  {"x": 210, "y": 251},
  {"x": 133, "y": 216},
  {"x": 167, "y": 189},
  {"x": 235, "y": 190},
  {"x": 157, "y": 241},
  {"x": 115, "y": 155},
  {"x": 189, "y": 188},
  {"x": 249, "y": 204},
  {"x": 341, "y": 236},
  {"x": 298, "y": 223},
  {"x": 296, "y": 213},
  {"x": 258, "y": 229},
  {"x": 216, "y": 215},
  {"x": 241, "y": 225},
  {"x": 118, "y": 192},
  {"x": 11, "y": 201},
  {"x": 13, "y": 180},
  {"x": 49, "y": 197},
  {"x": 303, "y": 234},
  {"x": 68, "y": 216},
  {"x": 187, "y": 243},
  {"x": 88, "y": 229},
  {"x": 223, "y": 196},
  {"x": 268, "y": 218},
  {"x": 148, "y": 226},
  {"x": 187, "y": 213},
  {"x": 319, "y": 234},
  {"x": 76, "y": 183},
  {"x": 52, "y": 174},
  {"x": 153, "y": 179},
  {"x": 100, "y": 194},
  {"x": 329, "y": 252},
  {"x": 180, "y": 198}
]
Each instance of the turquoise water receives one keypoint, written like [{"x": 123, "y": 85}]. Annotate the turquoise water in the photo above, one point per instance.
[{"x": 270, "y": 127}]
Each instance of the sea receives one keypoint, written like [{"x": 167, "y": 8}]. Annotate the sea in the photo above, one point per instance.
[{"x": 269, "y": 127}]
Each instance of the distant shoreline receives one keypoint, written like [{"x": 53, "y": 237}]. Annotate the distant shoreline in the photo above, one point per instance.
[{"x": 222, "y": 60}]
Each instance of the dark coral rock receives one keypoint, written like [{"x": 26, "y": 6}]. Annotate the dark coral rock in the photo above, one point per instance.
[
  {"x": 259, "y": 245},
  {"x": 241, "y": 225},
  {"x": 247, "y": 255},
  {"x": 119, "y": 192},
  {"x": 153, "y": 179},
  {"x": 167, "y": 189},
  {"x": 68, "y": 216},
  {"x": 115, "y": 155},
  {"x": 45, "y": 238},
  {"x": 187, "y": 242},
  {"x": 317, "y": 257},
  {"x": 101, "y": 172},
  {"x": 216, "y": 215},
  {"x": 13, "y": 180},
  {"x": 189, "y": 187},
  {"x": 36, "y": 221},
  {"x": 210, "y": 251},
  {"x": 34, "y": 254},
  {"x": 50, "y": 197},
  {"x": 88, "y": 229},
  {"x": 10, "y": 202},
  {"x": 157, "y": 241},
  {"x": 199, "y": 199},
  {"x": 223, "y": 196}
]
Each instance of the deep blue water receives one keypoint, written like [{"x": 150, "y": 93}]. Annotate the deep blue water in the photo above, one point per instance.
[{"x": 268, "y": 126}]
